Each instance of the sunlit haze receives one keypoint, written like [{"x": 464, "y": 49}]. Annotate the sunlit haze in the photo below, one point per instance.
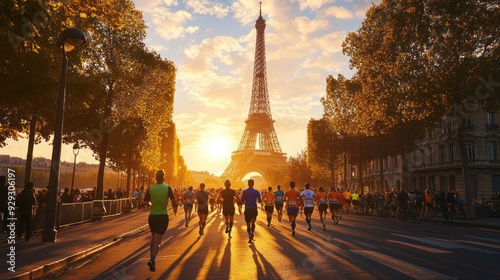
[{"x": 212, "y": 44}]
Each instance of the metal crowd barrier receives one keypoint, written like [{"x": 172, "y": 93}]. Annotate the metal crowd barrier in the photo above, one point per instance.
[{"x": 79, "y": 212}]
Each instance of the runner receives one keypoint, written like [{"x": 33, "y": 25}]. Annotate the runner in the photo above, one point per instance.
[
  {"x": 355, "y": 201},
  {"x": 340, "y": 211},
  {"x": 239, "y": 203},
  {"x": 212, "y": 203},
  {"x": 177, "y": 195},
  {"x": 292, "y": 199},
  {"x": 250, "y": 196},
  {"x": 187, "y": 200},
  {"x": 227, "y": 196},
  {"x": 202, "y": 200},
  {"x": 269, "y": 198},
  {"x": 334, "y": 197},
  {"x": 308, "y": 202},
  {"x": 279, "y": 202},
  {"x": 158, "y": 195},
  {"x": 322, "y": 201},
  {"x": 347, "y": 199}
]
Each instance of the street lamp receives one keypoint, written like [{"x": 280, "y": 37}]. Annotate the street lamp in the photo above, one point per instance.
[
  {"x": 68, "y": 40},
  {"x": 76, "y": 150}
]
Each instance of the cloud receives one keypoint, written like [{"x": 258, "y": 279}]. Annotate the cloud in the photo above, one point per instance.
[
  {"x": 211, "y": 70},
  {"x": 312, "y": 4},
  {"x": 245, "y": 11},
  {"x": 339, "y": 12},
  {"x": 306, "y": 25},
  {"x": 170, "y": 25},
  {"x": 361, "y": 8},
  {"x": 205, "y": 7}
]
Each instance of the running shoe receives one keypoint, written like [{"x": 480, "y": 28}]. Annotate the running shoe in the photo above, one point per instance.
[
  {"x": 227, "y": 228},
  {"x": 324, "y": 227},
  {"x": 293, "y": 232},
  {"x": 152, "y": 266},
  {"x": 309, "y": 228}
]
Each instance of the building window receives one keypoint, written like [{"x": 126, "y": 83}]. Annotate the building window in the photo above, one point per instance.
[
  {"x": 442, "y": 153},
  {"x": 489, "y": 118},
  {"x": 431, "y": 155},
  {"x": 489, "y": 122},
  {"x": 492, "y": 150},
  {"x": 468, "y": 123},
  {"x": 452, "y": 151},
  {"x": 469, "y": 147}
]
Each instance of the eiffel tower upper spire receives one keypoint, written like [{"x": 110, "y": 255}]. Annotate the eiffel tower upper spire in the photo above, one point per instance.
[
  {"x": 259, "y": 122},
  {"x": 259, "y": 149}
]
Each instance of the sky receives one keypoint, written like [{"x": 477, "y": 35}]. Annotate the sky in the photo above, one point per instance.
[{"x": 212, "y": 44}]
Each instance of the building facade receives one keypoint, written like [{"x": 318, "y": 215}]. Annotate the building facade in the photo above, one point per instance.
[{"x": 436, "y": 162}]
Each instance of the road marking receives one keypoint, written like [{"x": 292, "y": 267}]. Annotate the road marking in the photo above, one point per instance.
[
  {"x": 446, "y": 244},
  {"x": 472, "y": 248},
  {"x": 411, "y": 270},
  {"x": 366, "y": 245},
  {"x": 480, "y": 243},
  {"x": 428, "y": 249},
  {"x": 482, "y": 238}
]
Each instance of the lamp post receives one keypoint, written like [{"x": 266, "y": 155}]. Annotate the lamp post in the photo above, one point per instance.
[
  {"x": 68, "y": 40},
  {"x": 76, "y": 150}
]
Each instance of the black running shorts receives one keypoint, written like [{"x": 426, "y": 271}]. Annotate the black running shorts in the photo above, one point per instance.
[
  {"x": 250, "y": 213},
  {"x": 158, "y": 224}
]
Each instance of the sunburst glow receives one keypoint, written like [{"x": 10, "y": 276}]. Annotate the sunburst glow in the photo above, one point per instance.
[{"x": 217, "y": 147}]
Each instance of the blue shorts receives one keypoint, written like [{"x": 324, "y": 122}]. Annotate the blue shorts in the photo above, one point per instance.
[{"x": 292, "y": 211}]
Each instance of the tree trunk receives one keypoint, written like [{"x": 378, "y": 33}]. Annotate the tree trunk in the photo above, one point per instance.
[
  {"x": 360, "y": 165},
  {"x": 31, "y": 145},
  {"x": 103, "y": 152},
  {"x": 345, "y": 163},
  {"x": 465, "y": 170},
  {"x": 381, "y": 173}
]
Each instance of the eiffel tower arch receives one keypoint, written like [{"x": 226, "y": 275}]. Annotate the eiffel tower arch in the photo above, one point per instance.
[{"x": 259, "y": 149}]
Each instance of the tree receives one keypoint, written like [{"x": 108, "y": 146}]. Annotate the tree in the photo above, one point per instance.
[
  {"x": 419, "y": 60},
  {"x": 298, "y": 170},
  {"x": 324, "y": 149}
]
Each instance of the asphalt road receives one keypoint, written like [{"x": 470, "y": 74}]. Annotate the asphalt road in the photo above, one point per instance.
[{"x": 359, "y": 247}]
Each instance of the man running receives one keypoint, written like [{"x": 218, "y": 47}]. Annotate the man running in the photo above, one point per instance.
[
  {"x": 202, "y": 200},
  {"x": 177, "y": 195},
  {"x": 308, "y": 202},
  {"x": 279, "y": 202},
  {"x": 292, "y": 199},
  {"x": 228, "y": 195},
  {"x": 250, "y": 196},
  {"x": 322, "y": 201},
  {"x": 268, "y": 199},
  {"x": 334, "y": 200},
  {"x": 187, "y": 200},
  {"x": 158, "y": 195}
]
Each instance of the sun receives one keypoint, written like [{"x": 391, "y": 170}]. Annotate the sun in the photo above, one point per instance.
[{"x": 217, "y": 147}]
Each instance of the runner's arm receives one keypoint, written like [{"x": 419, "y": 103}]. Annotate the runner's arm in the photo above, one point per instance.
[{"x": 170, "y": 195}]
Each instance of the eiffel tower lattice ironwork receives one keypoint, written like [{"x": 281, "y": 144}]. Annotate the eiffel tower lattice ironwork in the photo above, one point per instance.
[{"x": 267, "y": 156}]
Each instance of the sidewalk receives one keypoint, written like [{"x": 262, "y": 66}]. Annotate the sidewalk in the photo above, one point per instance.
[{"x": 34, "y": 259}]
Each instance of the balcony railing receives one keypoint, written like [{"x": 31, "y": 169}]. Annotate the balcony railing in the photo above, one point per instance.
[{"x": 491, "y": 126}]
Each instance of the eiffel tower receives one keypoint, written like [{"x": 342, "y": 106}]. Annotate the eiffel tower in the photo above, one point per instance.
[{"x": 267, "y": 156}]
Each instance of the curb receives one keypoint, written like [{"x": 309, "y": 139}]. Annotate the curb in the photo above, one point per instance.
[{"x": 51, "y": 267}]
